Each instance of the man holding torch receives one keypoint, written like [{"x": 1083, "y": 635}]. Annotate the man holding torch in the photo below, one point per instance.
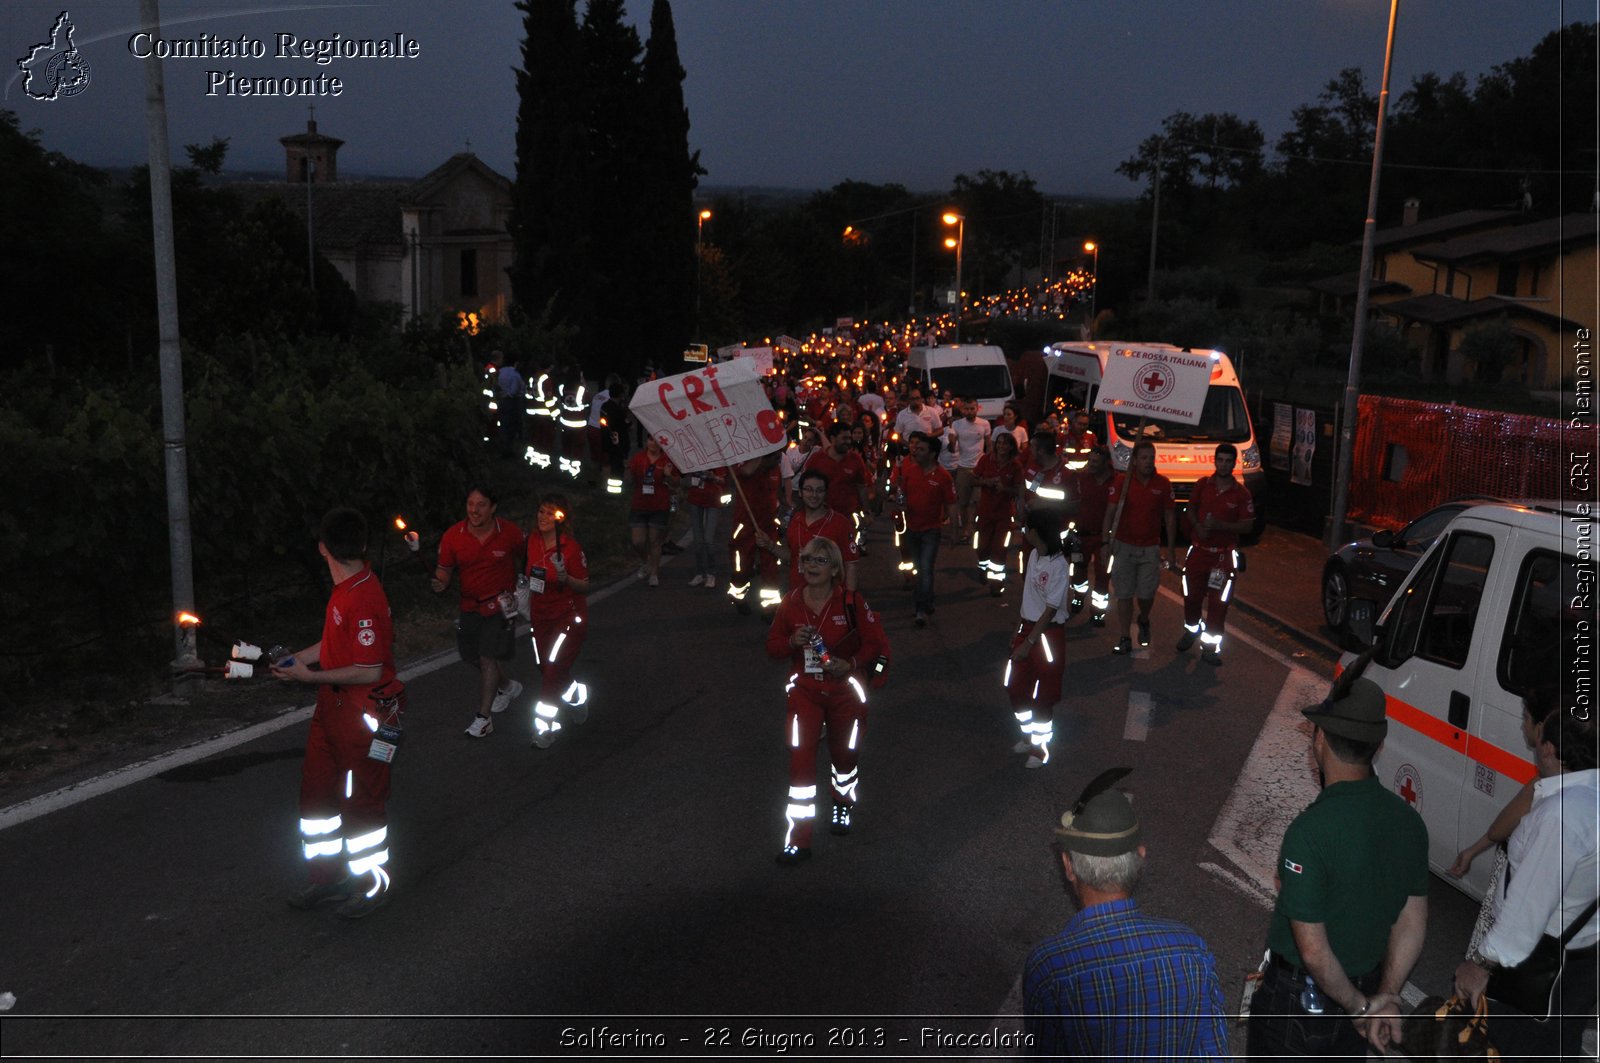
[{"x": 344, "y": 785}]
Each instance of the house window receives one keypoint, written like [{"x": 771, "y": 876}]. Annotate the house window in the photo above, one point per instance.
[
  {"x": 1506, "y": 284},
  {"x": 469, "y": 271}
]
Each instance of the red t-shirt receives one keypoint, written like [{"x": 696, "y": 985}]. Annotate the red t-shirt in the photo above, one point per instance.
[
  {"x": 756, "y": 500},
  {"x": 708, "y": 492},
  {"x": 651, "y": 494},
  {"x": 1141, "y": 514},
  {"x": 1227, "y": 502},
  {"x": 834, "y": 525},
  {"x": 843, "y": 477},
  {"x": 357, "y": 629},
  {"x": 927, "y": 494},
  {"x": 998, "y": 503},
  {"x": 833, "y": 624},
  {"x": 546, "y": 599},
  {"x": 484, "y": 569},
  {"x": 1093, "y": 501}
]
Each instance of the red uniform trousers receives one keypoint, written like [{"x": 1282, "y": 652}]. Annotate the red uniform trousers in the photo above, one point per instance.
[
  {"x": 1033, "y": 683},
  {"x": 749, "y": 562},
  {"x": 1208, "y": 580},
  {"x": 343, "y": 792},
  {"x": 557, "y": 641},
  {"x": 1093, "y": 574},
  {"x": 993, "y": 539},
  {"x": 840, "y": 707}
]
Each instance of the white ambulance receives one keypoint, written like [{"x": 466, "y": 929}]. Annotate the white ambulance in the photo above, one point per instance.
[
  {"x": 1481, "y": 619},
  {"x": 1185, "y": 453},
  {"x": 964, "y": 370}
]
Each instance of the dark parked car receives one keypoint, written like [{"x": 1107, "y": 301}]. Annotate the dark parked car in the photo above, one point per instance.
[{"x": 1360, "y": 577}]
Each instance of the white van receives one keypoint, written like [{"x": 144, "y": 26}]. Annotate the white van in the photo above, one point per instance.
[
  {"x": 965, "y": 370},
  {"x": 1185, "y": 453},
  {"x": 1476, "y": 624}
]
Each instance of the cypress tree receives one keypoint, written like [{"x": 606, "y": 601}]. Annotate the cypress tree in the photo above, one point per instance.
[
  {"x": 552, "y": 276},
  {"x": 671, "y": 172}
]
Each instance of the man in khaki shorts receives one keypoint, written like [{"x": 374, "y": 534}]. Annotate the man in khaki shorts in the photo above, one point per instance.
[{"x": 1137, "y": 506}]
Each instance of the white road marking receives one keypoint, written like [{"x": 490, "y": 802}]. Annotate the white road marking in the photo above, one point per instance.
[
  {"x": 79, "y": 792},
  {"x": 1275, "y": 785},
  {"x": 1141, "y": 707}
]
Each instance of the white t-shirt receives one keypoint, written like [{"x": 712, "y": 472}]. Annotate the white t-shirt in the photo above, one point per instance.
[
  {"x": 1045, "y": 586},
  {"x": 930, "y": 420},
  {"x": 970, "y": 437},
  {"x": 1019, "y": 433}
]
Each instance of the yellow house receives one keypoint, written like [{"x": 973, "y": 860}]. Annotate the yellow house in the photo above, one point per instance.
[{"x": 1536, "y": 279}]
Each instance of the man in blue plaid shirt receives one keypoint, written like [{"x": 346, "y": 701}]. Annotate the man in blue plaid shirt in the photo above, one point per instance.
[{"x": 1116, "y": 983}]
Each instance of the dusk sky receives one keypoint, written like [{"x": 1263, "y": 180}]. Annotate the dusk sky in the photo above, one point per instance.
[{"x": 787, "y": 93}]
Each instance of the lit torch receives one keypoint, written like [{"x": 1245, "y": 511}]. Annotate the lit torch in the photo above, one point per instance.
[{"x": 413, "y": 541}]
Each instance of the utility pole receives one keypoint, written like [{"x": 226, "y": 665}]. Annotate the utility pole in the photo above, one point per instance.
[
  {"x": 175, "y": 446},
  {"x": 1352, "y": 386},
  {"x": 1155, "y": 223}
]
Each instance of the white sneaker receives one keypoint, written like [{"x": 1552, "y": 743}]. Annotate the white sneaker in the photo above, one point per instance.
[
  {"x": 502, "y": 698},
  {"x": 643, "y": 571},
  {"x": 1022, "y": 746},
  {"x": 1039, "y": 758},
  {"x": 698, "y": 581},
  {"x": 711, "y": 581},
  {"x": 655, "y": 581},
  {"x": 481, "y": 727}
]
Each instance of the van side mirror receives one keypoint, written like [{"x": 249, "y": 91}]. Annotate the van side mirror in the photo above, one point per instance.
[{"x": 1384, "y": 540}]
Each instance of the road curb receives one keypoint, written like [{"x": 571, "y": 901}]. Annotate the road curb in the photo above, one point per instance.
[{"x": 1315, "y": 643}]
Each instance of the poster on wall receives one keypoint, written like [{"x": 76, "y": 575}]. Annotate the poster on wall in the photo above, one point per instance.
[
  {"x": 1305, "y": 446},
  {"x": 1282, "y": 435}
]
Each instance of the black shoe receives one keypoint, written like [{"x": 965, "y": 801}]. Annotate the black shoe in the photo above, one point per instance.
[
  {"x": 793, "y": 854},
  {"x": 921, "y": 620},
  {"x": 1187, "y": 640},
  {"x": 1124, "y": 646},
  {"x": 1144, "y": 631},
  {"x": 841, "y": 819},
  {"x": 669, "y": 548},
  {"x": 1076, "y": 606},
  {"x": 317, "y": 895},
  {"x": 1097, "y": 620},
  {"x": 360, "y": 906},
  {"x": 1211, "y": 657},
  {"x": 744, "y": 608}
]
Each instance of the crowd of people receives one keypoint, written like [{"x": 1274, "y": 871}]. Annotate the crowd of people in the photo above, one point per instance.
[{"x": 1351, "y": 910}]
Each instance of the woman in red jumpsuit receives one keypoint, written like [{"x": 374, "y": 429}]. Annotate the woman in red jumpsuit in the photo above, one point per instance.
[
  {"x": 558, "y": 612},
  {"x": 999, "y": 473},
  {"x": 834, "y": 641}
]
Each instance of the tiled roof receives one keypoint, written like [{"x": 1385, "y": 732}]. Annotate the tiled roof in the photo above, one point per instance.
[
  {"x": 348, "y": 214},
  {"x": 1344, "y": 284},
  {"x": 1441, "y": 227},
  {"x": 1447, "y": 310},
  {"x": 1518, "y": 241},
  {"x": 432, "y": 182}
]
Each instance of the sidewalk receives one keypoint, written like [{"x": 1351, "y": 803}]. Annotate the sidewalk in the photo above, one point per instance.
[{"x": 1282, "y": 586}]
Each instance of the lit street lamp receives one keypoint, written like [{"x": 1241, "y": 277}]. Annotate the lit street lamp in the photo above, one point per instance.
[
  {"x": 1094, "y": 290},
  {"x": 699, "y": 232},
  {"x": 958, "y": 242}
]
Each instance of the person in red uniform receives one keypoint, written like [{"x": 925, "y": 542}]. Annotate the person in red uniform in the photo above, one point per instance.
[
  {"x": 815, "y": 518},
  {"x": 1133, "y": 535},
  {"x": 832, "y": 637},
  {"x": 1077, "y": 441},
  {"x": 484, "y": 553},
  {"x": 1220, "y": 508},
  {"x": 1093, "y": 483},
  {"x": 925, "y": 491},
  {"x": 344, "y": 825},
  {"x": 849, "y": 479},
  {"x": 755, "y": 510},
  {"x": 999, "y": 474},
  {"x": 654, "y": 479},
  {"x": 558, "y": 611}
]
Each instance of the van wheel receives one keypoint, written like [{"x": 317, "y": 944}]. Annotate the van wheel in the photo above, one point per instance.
[{"x": 1336, "y": 598}]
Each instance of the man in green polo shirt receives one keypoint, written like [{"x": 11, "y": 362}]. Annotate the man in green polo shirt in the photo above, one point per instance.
[{"x": 1352, "y": 897}]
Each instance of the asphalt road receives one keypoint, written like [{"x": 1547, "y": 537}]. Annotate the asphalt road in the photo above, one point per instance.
[{"x": 623, "y": 879}]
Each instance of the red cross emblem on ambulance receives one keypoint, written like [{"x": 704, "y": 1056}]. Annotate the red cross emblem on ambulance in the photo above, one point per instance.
[{"x": 1155, "y": 381}]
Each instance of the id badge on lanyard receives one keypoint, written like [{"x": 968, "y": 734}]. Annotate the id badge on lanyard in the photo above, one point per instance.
[{"x": 536, "y": 578}]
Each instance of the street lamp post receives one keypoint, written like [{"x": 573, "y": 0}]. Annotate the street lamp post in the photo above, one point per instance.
[
  {"x": 1352, "y": 387},
  {"x": 950, "y": 217},
  {"x": 699, "y": 232},
  {"x": 1094, "y": 284}
]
